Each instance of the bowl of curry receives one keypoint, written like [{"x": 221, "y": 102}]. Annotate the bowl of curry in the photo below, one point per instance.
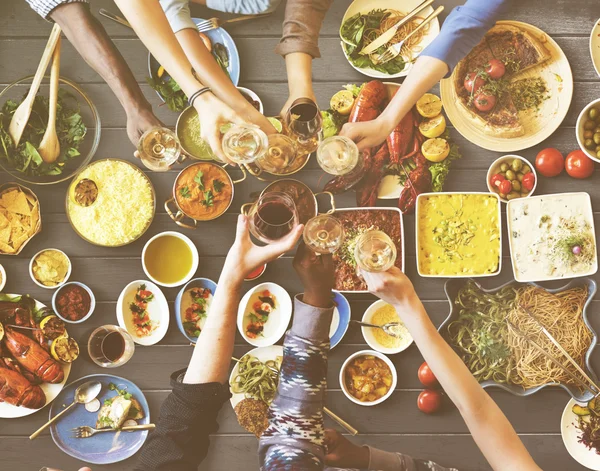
[
  {"x": 202, "y": 191},
  {"x": 458, "y": 235}
]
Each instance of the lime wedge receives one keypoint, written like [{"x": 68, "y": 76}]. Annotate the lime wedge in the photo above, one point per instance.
[{"x": 276, "y": 124}]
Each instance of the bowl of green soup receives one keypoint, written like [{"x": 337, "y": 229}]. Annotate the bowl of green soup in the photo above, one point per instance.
[
  {"x": 188, "y": 132},
  {"x": 170, "y": 259}
]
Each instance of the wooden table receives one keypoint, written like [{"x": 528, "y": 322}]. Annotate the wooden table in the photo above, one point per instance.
[{"x": 395, "y": 425}]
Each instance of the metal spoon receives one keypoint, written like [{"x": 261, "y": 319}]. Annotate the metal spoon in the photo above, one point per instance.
[
  {"x": 389, "y": 328},
  {"x": 83, "y": 394}
]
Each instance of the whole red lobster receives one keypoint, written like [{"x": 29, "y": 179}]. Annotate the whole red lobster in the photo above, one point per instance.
[
  {"x": 31, "y": 356},
  {"x": 366, "y": 191},
  {"x": 418, "y": 181},
  {"x": 18, "y": 391},
  {"x": 367, "y": 106}
]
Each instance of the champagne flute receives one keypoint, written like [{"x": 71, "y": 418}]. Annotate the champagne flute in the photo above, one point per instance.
[
  {"x": 159, "y": 148},
  {"x": 375, "y": 251},
  {"x": 244, "y": 143},
  {"x": 324, "y": 234},
  {"x": 338, "y": 155},
  {"x": 273, "y": 216}
]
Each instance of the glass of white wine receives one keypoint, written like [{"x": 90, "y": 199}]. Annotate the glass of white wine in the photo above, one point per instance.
[
  {"x": 324, "y": 234},
  {"x": 244, "y": 143},
  {"x": 159, "y": 149},
  {"x": 280, "y": 155},
  {"x": 375, "y": 251},
  {"x": 338, "y": 155}
]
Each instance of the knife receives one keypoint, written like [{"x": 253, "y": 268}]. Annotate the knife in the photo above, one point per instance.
[{"x": 390, "y": 33}]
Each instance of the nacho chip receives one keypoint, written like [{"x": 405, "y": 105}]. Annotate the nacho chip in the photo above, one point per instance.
[
  {"x": 5, "y": 248},
  {"x": 5, "y": 235},
  {"x": 3, "y": 220},
  {"x": 16, "y": 202},
  {"x": 50, "y": 267}
]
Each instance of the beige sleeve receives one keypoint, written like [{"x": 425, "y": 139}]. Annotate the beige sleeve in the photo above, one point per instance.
[{"x": 301, "y": 26}]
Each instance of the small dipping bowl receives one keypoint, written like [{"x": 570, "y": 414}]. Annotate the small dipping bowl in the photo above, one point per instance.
[
  {"x": 92, "y": 302},
  {"x": 495, "y": 168},
  {"x": 381, "y": 356},
  {"x": 42, "y": 285}
]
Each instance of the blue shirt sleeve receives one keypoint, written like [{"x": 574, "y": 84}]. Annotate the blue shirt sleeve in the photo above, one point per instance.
[{"x": 463, "y": 29}]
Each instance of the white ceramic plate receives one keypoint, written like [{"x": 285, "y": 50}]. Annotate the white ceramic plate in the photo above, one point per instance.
[
  {"x": 539, "y": 125},
  {"x": 368, "y": 332},
  {"x": 586, "y": 212},
  {"x": 595, "y": 46},
  {"x": 405, "y": 6},
  {"x": 8, "y": 411},
  {"x": 417, "y": 234},
  {"x": 278, "y": 320},
  {"x": 263, "y": 354},
  {"x": 570, "y": 435},
  {"x": 158, "y": 310}
]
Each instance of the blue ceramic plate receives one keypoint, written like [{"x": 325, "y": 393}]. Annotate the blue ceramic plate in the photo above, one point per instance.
[
  {"x": 195, "y": 283},
  {"x": 452, "y": 288},
  {"x": 341, "y": 318},
  {"x": 103, "y": 448},
  {"x": 218, "y": 35}
]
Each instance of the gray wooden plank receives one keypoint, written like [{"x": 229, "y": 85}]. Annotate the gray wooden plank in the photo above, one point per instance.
[
  {"x": 229, "y": 452},
  {"x": 331, "y": 67}
]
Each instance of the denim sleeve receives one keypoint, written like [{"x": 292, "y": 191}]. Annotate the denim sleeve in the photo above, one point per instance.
[{"x": 464, "y": 28}]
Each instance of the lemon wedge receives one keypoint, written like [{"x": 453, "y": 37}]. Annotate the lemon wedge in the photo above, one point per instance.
[
  {"x": 435, "y": 150},
  {"x": 429, "y": 105},
  {"x": 342, "y": 102},
  {"x": 433, "y": 127},
  {"x": 64, "y": 349}
]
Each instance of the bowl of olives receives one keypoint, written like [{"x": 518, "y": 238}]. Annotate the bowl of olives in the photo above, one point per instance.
[
  {"x": 511, "y": 177},
  {"x": 588, "y": 130}
]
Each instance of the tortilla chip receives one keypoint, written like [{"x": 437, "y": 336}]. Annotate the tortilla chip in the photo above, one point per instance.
[
  {"x": 5, "y": 235},
  {"x": 50, "y": 267},
  {"x": 3, "y": 220},
  {"x": 20, "y": 205},
  {"x": 35, "y": 217},
  {"x": 18, "y": 241},
  {"x": 5, "y": 248}
]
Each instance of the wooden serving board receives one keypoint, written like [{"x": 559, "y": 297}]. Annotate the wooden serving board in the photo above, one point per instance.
[{"x": 539, "y": 124}]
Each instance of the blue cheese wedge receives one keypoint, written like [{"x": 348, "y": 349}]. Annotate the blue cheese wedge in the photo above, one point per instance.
[{"x": 113, "y": 413}]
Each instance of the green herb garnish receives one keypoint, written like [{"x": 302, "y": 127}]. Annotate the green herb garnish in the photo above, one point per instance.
[
  {"x": 208, "y": 199},
  {"x": 185, "y": 192},
  {"x": 198, "y": 180},
  {"x": 170, "y": 91},
  {"x": 218, "y": 186}
]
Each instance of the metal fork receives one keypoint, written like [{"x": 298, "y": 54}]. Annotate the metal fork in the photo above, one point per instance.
[
  {"x": 85, "y": 431},
  {"x": 394, "y": 50},
  {"x": 214, "y": 23}
]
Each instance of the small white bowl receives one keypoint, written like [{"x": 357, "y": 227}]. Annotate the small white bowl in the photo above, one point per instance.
[
  {"x": 195, "y": 259},
  {"x": 579, "y": 129},
  {"x": 279, "y": 318},
  {"x": 92, "y": 302},
  {"x": 254, "y": 96},
  {"x": 3, "y": 278},
  {"x": 369, "y": 336},
  {"x": 375, "y": 354},
  {"x": 495, "y": 168},
  {"x": 40, "y": 284},
  {"x": 595, "y": 46},
  {"x": 158, "y": 310}
]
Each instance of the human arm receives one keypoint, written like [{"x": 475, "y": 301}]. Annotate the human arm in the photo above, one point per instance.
[
  {"x": 491, "y": 430},
  {"x": 92, "y": 43},
  {"x": 299, "y": 45},
  {"x": 303, "y": 378},
  {"x": 462, "y": 31},
  {"x": 189, "y": 414}
]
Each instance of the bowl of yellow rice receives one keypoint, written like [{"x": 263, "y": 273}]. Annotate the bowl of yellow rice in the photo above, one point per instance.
[{"x": 380, "y": 313}]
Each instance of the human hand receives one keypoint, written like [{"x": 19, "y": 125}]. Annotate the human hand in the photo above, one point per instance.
[
  {"x": 304, "y": 92},
  {"x": 317, "y": 275},
  {"x": 367, "y": 134},
  {"x": 140, "y": 121},
  {"x": 391, "y": 286},
  {"x": 213, "y": 114},
  {"x": 245, "y": 256},
  {"x": 342, "y": 453}
]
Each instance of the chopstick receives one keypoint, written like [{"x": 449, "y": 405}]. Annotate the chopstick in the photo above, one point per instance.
[
  {"x": 559, "y": 346},
  {"x": 554, "y": 360},
  {"x": 341, "y": 422},
  {"x": 115, "y": 18}
]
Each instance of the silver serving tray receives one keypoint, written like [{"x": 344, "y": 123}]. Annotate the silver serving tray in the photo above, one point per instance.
[{"x": 454, "y": 285}]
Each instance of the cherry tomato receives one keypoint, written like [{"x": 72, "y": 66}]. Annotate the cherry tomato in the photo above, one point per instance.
[
  {"x": 495, "y": 69},
  {"x": 579, "y": 165},
  {"x": 427, "y": 377},
  {"x": 496, "y": 180},
  {"x": 505, "y": 187},
  {"x": 550, "y": 162},
  {"x": 528, "y": 181},
  {"x": 473, "y": 82},
  {"x": 485, "y": 102},
  {"x": 429, "y": 401}
]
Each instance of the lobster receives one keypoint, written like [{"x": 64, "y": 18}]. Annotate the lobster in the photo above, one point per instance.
[
  {"x": 367, "y": 106},
  {"x": 32, "y": 357},
  {"x": 20, "y": 314},
  {"x": 15, "y": 389},
  {"x": 366, "y": 192},
  {"x": 401, "y": 138},
  {"x": 418, "y": 181}
]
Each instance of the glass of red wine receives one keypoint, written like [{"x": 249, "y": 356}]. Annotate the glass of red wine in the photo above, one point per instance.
[
  {"x": 273, "y": 216},
  {"x": 304, "y": 120},
  {"x": 110, "y": 346}
]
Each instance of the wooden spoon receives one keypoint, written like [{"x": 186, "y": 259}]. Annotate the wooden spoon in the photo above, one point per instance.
[
  {"x": 21, "y": 115},
  {"x": 49, "y": 148}
]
